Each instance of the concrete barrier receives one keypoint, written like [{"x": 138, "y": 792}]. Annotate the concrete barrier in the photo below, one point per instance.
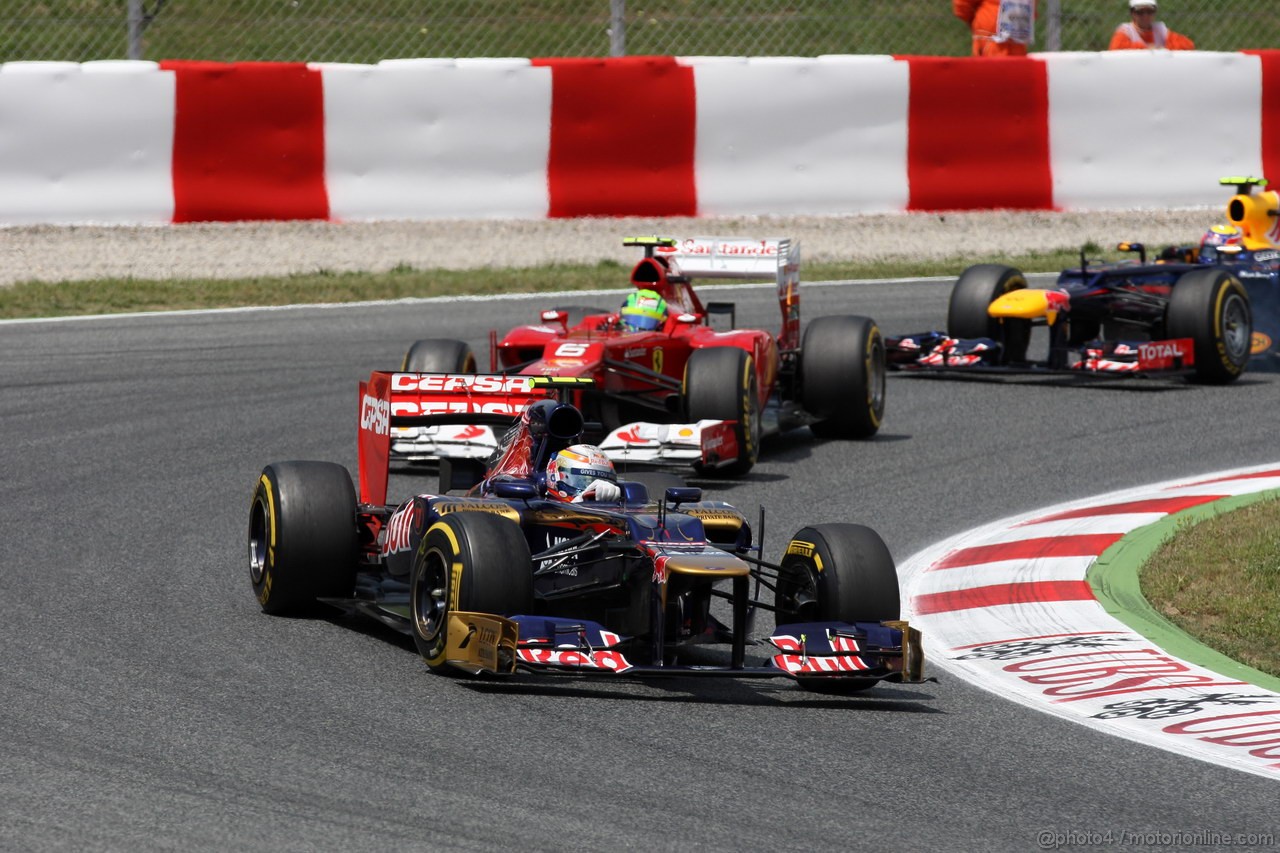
[{"x": 142, "y": 142}]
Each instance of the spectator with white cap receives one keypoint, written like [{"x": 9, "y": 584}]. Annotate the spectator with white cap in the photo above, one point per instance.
[{"x": 1144, "y": 32}]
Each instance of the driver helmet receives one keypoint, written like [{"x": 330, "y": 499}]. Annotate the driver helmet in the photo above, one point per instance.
[
  {"x": 644, "y": 311},
  {"x": 573, "y": 469},
  {"x": 1222, "y": 235}
]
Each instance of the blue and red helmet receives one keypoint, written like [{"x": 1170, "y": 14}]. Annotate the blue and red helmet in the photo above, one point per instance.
[
  {"x": 1222, "y": 235},
  {"x": 570, "y": 471},
  {"x": 644, "y": 311}
]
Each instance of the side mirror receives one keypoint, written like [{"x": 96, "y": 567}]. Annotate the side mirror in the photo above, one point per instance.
[
  {"x": 554, "y": 316},
  {"x": 683, "y": 494},
  {"x": 515, "y": 489}
]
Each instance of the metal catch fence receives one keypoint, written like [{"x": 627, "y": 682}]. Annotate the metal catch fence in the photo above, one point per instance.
[{"x": 370, "y": 30}]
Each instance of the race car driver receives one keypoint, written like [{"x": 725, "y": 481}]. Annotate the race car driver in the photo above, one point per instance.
[
  {"x": 580, "y": 473},
  {"x": 643, "y": 311}
]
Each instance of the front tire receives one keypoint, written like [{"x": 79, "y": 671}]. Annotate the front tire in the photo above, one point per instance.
[
  {"x": 837, "y": 573},
  {"x": 720, "y": 384},
  {"x": 303, "y": 542},
  {"x": 842, "y": 365},
  {"x": 439, "y": 355},
  {"x": 469, "y": 561},
  {"x": 968, "y": 315},
  {"x": 1212, "y": 308}
]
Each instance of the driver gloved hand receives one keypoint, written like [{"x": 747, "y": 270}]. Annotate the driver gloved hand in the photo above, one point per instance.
[{"x": 600, "y": 490}]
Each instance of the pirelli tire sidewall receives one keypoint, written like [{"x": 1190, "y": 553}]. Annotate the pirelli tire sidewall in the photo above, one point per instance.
[
  {"x": 468, "y": 561},
  {"x": 851, "y": 570},
  {"x": 303, "y": 541},
  {"x": 1211, "y": 307}
]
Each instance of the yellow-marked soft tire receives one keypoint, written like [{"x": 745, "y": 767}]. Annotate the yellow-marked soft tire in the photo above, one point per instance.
[
  {"x": 439, "y": 355},
  {"x": 470, "y": 561},
  {"x": 303, "y": 541},
  {"x": 842, "y": 376},
  {"x": 1211, "y": 307},
  {"x": 720, "y": 384},
  {"x": 968, "y": 316},
  {"x": 837, "y": 573}
]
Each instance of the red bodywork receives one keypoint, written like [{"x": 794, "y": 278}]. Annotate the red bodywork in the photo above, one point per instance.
[{"x": 648, "y": 367}]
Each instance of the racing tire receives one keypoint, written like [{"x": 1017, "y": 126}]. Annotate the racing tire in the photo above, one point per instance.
[
  {"x": 967, "y": 317},
  {"x": 720, "y": 384},
  {"x": 303, "y": 541},
  {"x": 439, "y": 355},
  {"x": 1211, "y": 307},
  {"x": 469, "y": 561},
  {"x": 840, "y": 573},
  {"x": 842, "y": 376}
]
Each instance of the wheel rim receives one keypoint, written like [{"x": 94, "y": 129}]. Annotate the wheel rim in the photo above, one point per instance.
[
  {"x": 257, "y": 543},
  {"x": 430, "y": 597},
  {"x": 876, "y": 377},
  {"x": 800, "y": 600},
  {"x": 1236, "y": 328}
]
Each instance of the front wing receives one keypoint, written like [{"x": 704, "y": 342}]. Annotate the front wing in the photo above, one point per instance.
[
  {"x": 938, "y": 352},
  {"x": 826, "y": 651},
  {"x": 707, "y": 443}
]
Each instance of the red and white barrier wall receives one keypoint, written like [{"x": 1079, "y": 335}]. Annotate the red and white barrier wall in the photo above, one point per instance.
[{"x": 141, "y": 142}]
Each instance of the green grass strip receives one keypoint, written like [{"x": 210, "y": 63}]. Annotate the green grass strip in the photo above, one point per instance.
[{"x": 1114, "y": 577}]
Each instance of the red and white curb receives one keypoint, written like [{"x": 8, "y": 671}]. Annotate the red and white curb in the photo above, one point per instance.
[{"x": 1007, "y": 607}]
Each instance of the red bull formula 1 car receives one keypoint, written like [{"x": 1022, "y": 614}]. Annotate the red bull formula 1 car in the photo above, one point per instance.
[
  {"x": 1202, "y": 311},
  {"x": 500, "y": 578},
  {"x": 684, "y": 392}
]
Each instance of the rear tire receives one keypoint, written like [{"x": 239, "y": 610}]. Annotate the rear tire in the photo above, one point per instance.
[
  {"x": 303, "y": 542},
  {"x": 470, "y": 561},
  {"x": 842, "y": 367},
  {"x": 967, "y": 315},
  {"x": 720, "y": 384},
  {"x": 1211, "y": 307},
  {"x": 439, "y": 355}
]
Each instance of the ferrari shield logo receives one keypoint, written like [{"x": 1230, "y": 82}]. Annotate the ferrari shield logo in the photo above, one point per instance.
[{"x": 657, "y": 359}]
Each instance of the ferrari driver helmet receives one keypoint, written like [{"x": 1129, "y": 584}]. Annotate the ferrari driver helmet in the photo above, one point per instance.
[
  {"x": 1222, "y": 235},
  {"x": 644, "y": 311},
  {"x": 575, "y": 468}
]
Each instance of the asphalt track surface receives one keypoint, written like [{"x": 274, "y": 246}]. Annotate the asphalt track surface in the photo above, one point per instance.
[{"x": 147, "y": 704}]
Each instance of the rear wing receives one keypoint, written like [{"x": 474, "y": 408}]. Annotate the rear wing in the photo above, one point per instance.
[
  {"x": 774, "y": 259},
  {"x": 432, "y": 399}
]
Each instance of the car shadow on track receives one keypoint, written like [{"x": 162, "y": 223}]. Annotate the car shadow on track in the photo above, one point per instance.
[
  {"x": 721, "y": 690},
  {"x": 715, "y": 691}
]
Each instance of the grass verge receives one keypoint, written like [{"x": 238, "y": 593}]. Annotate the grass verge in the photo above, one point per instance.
[
  {"x": 114, "y": 296},
  {"x": 1219, "y": 581}
]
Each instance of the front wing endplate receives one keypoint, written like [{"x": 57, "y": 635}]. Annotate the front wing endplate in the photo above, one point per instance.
[{"x": 481, "y": 642}]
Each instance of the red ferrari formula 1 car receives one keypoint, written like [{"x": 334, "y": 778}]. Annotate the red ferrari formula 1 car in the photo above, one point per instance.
[
  {"x": 674, "y": 388},
  {"x": 510, "y": 575}
]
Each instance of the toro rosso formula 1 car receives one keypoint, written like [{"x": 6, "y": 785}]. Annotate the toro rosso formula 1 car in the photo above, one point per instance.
[
  {"x": 1203, "y": 311},
  {"x": 683, "y": 392},
  {"x": 502, "y": 578}
]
